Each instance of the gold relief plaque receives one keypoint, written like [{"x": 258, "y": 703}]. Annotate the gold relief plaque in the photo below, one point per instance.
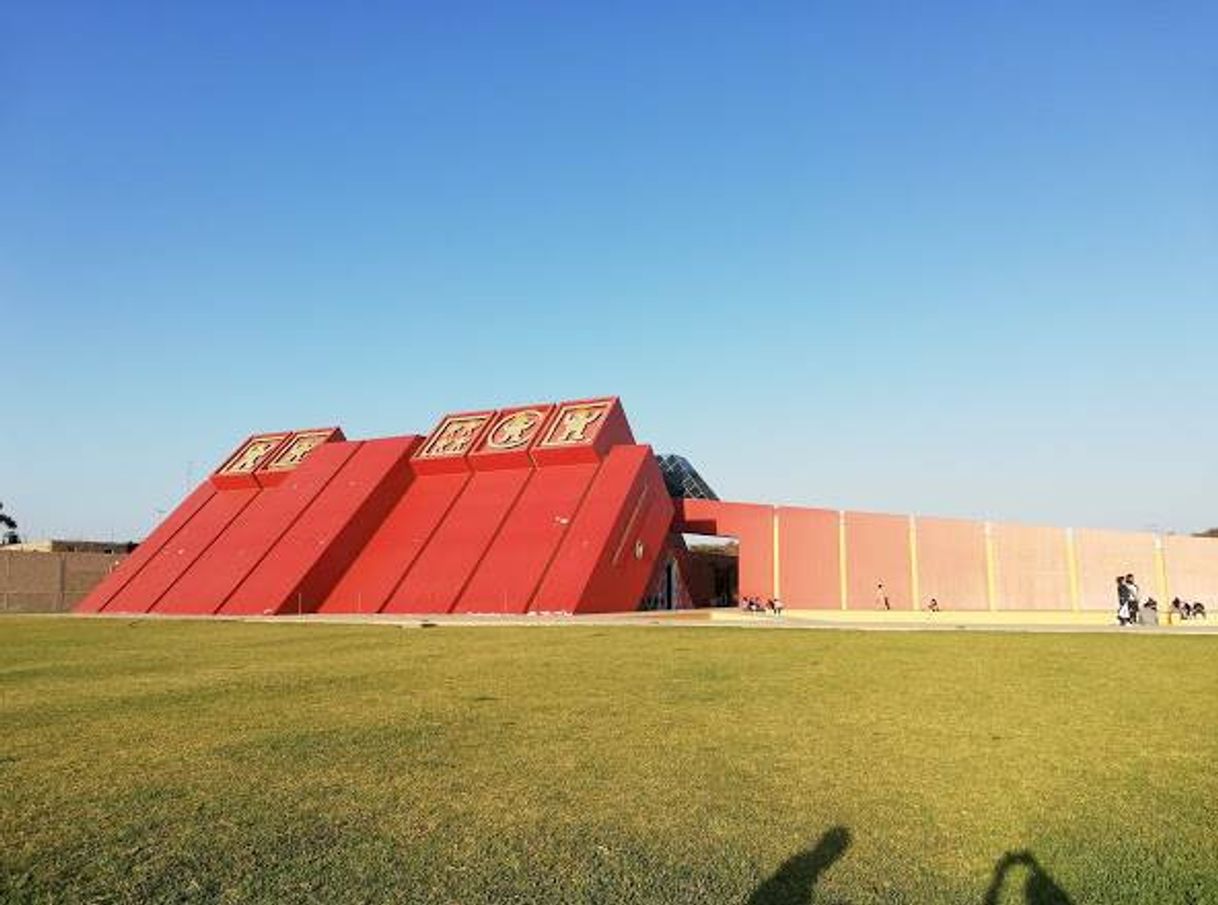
[
  {"x": 576, "y": 424},
  {"x": 514, "y": 430},
  {"x": 250, "y": 456},
  {"x": 297, "y": 450},
  {"x": 454, "y": 436}
]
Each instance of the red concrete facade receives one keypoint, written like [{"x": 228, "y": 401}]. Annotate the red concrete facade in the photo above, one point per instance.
[
  {"x": 1103, "y": 555},
  {"x": 752, "y": 525},
  {"x": 878, "y": 568},
  {"x": 251, "y": 535},
  {"x": 1192, "y": 569},
  {"x": 553, "y": 507},
  {"x": 951, "y": 564},
  {"x": 116, "y": 581},
  {"x": 962, "y": 565},
  {"x": 312, "y": 554},
  {"x": 809, "y": 566},
  {"x": 1032, "y": 568},
  {"x": 392, "y": 550},
  {"x": 540, "y": 507}
]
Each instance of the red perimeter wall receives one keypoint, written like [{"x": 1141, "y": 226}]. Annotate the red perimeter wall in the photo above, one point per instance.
[
  {"x": 1192, "y": 570},
  {"x": 877, "y": 550},
  {"x": 951, "y": 564},
  {"x": 809, "y": 573},
  {"x": 1103, "y": 555},
  {"x": 1033, "y": 567},
  {"x": 1031, "y": 570}
]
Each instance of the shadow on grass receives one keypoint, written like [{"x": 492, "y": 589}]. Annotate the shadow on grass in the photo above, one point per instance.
[
  {"x": 1039, "y": 888},
  {"x": 795, "y": 881}
]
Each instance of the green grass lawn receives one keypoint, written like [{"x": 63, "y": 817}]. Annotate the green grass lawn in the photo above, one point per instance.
[{"x": 221, "y": 761}]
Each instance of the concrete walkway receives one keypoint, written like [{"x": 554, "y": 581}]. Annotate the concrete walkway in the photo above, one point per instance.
[{"x": 726, "y": 618}]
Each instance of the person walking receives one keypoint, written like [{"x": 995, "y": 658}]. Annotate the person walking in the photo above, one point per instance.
[{"x": 1135, "y": 598}]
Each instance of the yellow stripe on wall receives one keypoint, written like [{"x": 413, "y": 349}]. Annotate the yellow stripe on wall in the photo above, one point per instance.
[
  {"x": 1161, "y": 570},
  {"x": 843, "y": 587},
  {"x": 991, "y": 568},
  {"x": 777, "y": 555},
  {"x": 1076, "y": 595}
]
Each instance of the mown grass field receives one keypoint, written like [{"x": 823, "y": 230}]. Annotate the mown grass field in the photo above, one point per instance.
[{"x": 145, "y": 761}]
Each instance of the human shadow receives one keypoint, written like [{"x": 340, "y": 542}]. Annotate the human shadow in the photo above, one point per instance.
[
  {"x": 1039, "y": 888},
  {"x": 796, "y": 879}
]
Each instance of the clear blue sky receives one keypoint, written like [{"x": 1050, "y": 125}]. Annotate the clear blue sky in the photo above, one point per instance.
[{"x": 957, "y": 259}]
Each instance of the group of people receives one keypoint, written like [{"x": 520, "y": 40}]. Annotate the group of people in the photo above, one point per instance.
[
  {"x": 1132, "y": 610},
  {"x": 755, "y": 605},
  {"x": 1185, "y": 610}
]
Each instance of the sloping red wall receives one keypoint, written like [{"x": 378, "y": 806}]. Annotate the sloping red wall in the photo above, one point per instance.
[
  {"x": 511, "y": 570},
  {"x": 205, "y": 586},
  {"x": 610, "y": 550},
  {"x": 304, "y": 565},
  {"x": 109, "y": 586},
  {"x": 173, "y": 560},
  {"x": 378, "y": 568},
  {"x": 477, "y": 516},
  {"x": 435, "y": 582}
]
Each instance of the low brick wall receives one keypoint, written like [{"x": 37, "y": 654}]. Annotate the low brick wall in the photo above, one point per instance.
[{"x": 36, "y": 582}]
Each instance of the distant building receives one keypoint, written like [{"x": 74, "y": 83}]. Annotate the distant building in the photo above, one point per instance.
[
  {"x": 51, "y": 576},
  {"x": 58, "y": 545}
]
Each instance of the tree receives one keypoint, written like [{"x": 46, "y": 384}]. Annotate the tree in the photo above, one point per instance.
[
  {"x": 8, "y": 529},
  {"x": 1211, "y": 532}
]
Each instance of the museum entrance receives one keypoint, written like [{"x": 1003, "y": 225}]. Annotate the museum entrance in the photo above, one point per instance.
[
  {"x": 712, "y": 569},
  {"x": 696, "y": 571}
]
